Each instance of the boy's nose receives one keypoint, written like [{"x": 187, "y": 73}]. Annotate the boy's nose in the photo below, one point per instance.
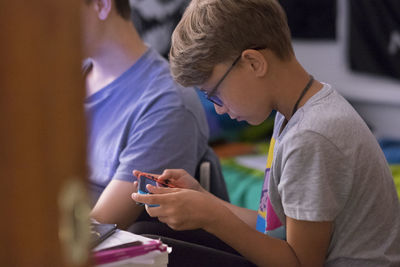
[{"x": 220, "y": 110}]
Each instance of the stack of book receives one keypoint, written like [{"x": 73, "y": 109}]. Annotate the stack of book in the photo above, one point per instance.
[{"x": 125, "y": 249}]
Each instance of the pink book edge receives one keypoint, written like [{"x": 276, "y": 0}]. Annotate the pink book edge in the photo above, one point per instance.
[{"x": 107, "y": 256}]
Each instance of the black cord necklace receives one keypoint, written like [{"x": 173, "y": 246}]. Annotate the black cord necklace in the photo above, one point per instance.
[{"x": 308, "y": 85}]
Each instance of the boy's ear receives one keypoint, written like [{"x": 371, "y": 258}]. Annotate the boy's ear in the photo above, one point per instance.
[
  {"x": 256, "y": 60},
  {"x": 103, "y": 8}
]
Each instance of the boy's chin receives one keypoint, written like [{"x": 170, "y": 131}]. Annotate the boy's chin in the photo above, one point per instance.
[{"x": 255, "y": 121}]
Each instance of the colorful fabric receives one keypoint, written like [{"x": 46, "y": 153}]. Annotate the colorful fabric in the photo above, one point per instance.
[{"x": 267, "y": 220}]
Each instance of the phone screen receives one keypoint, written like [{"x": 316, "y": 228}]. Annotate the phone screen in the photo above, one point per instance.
[
  {"x": 100, "y": 231},
  {"x": 143, "y": 181}
]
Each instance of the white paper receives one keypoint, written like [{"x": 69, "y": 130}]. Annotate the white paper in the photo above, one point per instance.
[{"x": 154, "y": 258}]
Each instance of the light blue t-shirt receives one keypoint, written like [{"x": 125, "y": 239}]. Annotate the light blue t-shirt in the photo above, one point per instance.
[{"x": 143, "y": 120}]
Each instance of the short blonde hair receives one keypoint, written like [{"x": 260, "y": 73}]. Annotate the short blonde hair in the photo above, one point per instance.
[{"x": 217, "y": 31}]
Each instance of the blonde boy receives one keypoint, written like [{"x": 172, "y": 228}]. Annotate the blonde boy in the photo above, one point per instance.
[{"x": 328, "y": 197}]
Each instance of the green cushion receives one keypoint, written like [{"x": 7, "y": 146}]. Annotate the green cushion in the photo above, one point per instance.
[
  {"x": 396, "y": 176},
  {"x": 244, "y": 184}
]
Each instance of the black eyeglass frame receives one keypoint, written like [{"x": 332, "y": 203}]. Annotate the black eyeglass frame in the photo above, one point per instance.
[{"x": 211, "y": 96}]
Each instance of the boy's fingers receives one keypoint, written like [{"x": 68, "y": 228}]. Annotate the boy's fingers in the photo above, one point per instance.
[
  {"x": 166, "y": 175},
  {"x": 137, "y": 173},
  {"x": 154, "y": 211},
  {"x": 160, "y": 190},
  {"x": 170, "y": 174},
  {"x": 156, "y": 198},
  {"x": 146, "y": 199}
]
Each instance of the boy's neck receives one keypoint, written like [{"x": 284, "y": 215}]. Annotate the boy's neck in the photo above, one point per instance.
[
  {"x": 292, "y": 80},
  {"x": 115, "y": 54}
]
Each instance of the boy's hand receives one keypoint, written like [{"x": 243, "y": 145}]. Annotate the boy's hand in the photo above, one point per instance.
[
  {"x": 137, "y": 173},
  {"x": 181, "y": 209},
  {"x": 135, "y": 183},
  {"x": 179, "y": 178}
]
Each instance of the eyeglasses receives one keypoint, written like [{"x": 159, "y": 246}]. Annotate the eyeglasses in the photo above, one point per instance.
[{"x": 211, "y": 96}]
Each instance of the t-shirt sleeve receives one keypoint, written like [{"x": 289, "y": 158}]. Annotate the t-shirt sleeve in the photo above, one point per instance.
[
  {"x": 164, "y": 138},
  {"x": 315, "y": 178}
]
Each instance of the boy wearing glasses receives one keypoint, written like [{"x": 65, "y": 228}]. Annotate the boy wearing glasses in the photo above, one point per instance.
[{"x": 328, "y": 198}]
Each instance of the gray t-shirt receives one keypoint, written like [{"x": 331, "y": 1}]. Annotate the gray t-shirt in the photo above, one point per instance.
[{"x": 328, "y": 166}]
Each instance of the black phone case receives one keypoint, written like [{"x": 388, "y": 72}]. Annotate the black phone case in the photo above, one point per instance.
[{"x": 100, "y": 232}]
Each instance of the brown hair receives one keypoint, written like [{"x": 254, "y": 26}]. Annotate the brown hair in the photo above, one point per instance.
[
  {"x": 122, "y": 6},
  {"x": 216, "y": 31}
]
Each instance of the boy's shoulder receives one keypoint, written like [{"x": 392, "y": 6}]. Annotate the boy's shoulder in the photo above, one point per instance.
[{"x": 328, "y": 116}]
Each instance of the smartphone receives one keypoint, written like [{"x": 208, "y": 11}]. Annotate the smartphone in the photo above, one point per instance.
[
  {"x": 144, "y": 179},
  {"x": 100, "y": 232}
]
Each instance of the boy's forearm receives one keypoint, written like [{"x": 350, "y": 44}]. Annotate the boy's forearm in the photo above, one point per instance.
[
  {"x": 257, "y": 247},
  {"x": 246, "y": 215}
]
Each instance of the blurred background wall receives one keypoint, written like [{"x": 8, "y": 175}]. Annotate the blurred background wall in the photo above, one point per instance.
[{"x": 351, "y": 44}]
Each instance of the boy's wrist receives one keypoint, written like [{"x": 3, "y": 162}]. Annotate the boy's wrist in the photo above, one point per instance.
[{"x": 218, "y": 219}]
